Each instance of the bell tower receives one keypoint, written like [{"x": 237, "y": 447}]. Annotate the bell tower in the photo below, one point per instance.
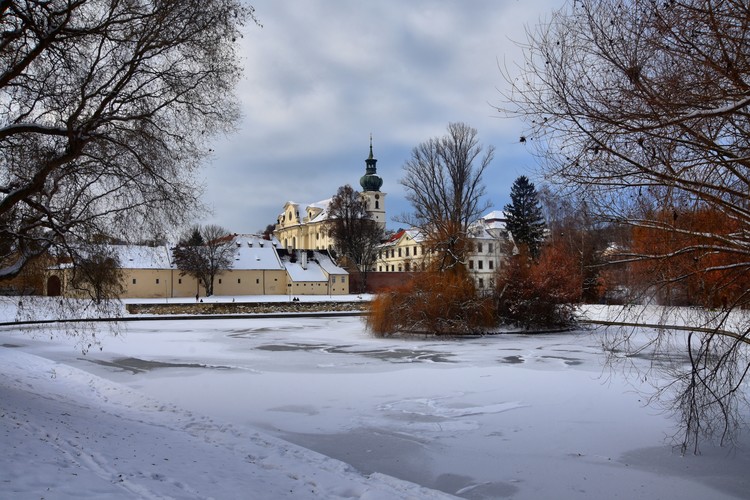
[{"x": 371, "y": 183}]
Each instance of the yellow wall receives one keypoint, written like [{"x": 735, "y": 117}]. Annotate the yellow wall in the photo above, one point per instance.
[
  {"x": 164, "y": 283},
  {"x": 336, "y": 285},
  {"x": 251, "y": 282}
]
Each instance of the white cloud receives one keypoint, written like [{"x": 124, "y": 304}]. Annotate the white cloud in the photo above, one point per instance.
[{"x": 322, "y": 75}]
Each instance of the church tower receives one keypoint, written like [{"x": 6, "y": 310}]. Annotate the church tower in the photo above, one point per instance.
[{"x": 371, "y": 183}]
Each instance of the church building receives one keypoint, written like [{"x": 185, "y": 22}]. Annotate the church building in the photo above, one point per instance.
[{"x": 305, "y": 226}]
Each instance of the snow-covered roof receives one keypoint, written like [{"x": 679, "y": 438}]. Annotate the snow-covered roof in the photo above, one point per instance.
[
  {"x": 311, "y": 272},
  {"x": 255, "y": 253},
  {"x": 328, "y": 265},
  {"x": 413, "y": 234},
  {"x": 143, "y": 257},
  {"x": 323, "y": 204},
  {"x": 495, "y": 215},
  {"x": 491, "y": 225},
  {"x": 310, "y": 266}
]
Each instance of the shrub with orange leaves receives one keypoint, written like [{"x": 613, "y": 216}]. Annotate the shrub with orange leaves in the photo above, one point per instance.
[
  {"x": 691, "y": 257},
  {"x": 540, "y": 293},
  {"x": 440, "y": 303}
]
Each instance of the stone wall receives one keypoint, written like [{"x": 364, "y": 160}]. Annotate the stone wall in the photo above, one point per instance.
[{"x": 246, "y": 307}]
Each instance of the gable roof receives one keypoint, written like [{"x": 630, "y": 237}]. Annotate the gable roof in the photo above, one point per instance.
[
  {"x": 143, "y": 257},
  {"x": 309, "y": 266},
  {"x": 254, "y": 253}
]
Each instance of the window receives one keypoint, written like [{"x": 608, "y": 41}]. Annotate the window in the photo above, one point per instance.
[
  {"x": 239, "y": 280},
  {"x": 407, "y": 267},
  {"x": 471, "y": 264},
  {"x": 399, "y": 268},
  {"x": 399, "y": 252},
  {"x": 380, "y": 269},
  {"x": 134, "y": 281},
  {"x": 407, "y": 251},
  {"x": 343, "y": 279},
  {"x": 220, "y": 281},
  {"x": 392, "y": 253},
  {"x": 481, "y": 264},
  {"x": 333, "y": 279},
  {"x": 481, "y": 283},
  {"x": 377, "y": 204},
  {"x": 489, "y": 248},
  {"x": 393, "y": 269},
  {"x": 157, "y": 281},
  {"x": 257, "y": 281},
  {"x": 479, "y": 247},
  {"x": 179, "y": 281},
  {"x": 491, "y": 264}
]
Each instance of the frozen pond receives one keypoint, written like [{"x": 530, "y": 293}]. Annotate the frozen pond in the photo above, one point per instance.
[{"x": 513, "y": 416}]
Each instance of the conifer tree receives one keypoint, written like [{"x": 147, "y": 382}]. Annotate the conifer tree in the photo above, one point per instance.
[{"x": 524, "y": 214}]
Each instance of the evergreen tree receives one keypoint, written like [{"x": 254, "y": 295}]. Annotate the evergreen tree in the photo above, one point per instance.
[{"x": 524, "y": 214}]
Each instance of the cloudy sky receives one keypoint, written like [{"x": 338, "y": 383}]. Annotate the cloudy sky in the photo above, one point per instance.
[{"x": 322, "y": 75}]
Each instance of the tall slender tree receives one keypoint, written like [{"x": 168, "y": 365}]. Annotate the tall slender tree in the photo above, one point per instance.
[
  {"x": 443, "y": 182},
  {"x": 524, "y": 216}
]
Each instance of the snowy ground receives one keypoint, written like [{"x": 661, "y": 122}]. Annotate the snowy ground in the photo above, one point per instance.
[{"x": 208, "y": 409}]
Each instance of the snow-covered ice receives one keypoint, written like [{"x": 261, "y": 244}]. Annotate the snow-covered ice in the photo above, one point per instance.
[{"x": 316, "y": 407}]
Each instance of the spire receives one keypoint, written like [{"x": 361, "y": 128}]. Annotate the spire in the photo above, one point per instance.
[{"x": 371, "y": 181}]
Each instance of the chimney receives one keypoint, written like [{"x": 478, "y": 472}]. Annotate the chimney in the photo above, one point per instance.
[{"x": 303, "y": 259}]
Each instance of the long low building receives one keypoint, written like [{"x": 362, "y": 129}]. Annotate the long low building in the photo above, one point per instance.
[{"x": 259, "y": 267}]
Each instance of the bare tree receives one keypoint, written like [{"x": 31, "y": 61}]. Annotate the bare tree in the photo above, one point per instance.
[
  {"x": 355, "y": 233},
  {"x": 205, "y": 252},
  {"x": 443, "y": 181},
  {"x": 644, "y": 106},
  {"x": 98, "y": 274},
  {"x": 106, "y": 110}
]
